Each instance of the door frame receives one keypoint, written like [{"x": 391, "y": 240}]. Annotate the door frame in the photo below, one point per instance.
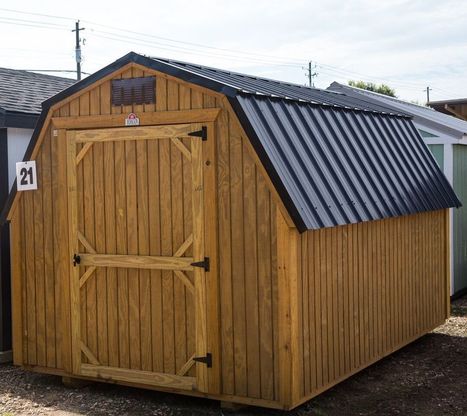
[{"x": 207, "y": 311}]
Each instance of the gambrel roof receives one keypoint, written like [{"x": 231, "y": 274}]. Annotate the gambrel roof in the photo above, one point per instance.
[{"x": 333, "y": 159}]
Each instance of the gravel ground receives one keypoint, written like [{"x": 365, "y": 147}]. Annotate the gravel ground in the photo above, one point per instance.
[{"x": 428, "y": 377}]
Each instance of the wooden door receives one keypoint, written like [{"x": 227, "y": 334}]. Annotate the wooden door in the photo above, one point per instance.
[{"x": 136, "y": 227}]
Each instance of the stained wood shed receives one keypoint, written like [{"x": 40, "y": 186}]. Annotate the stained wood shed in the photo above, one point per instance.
[{"x": 215, "y": 234}]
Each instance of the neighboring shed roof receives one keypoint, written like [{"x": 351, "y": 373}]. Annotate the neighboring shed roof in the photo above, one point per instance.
[
  {"x": 334, "y": 160},
  {"x": 455, "y": 107},
  {"x": 424, "y": 115},
  {"x": 24, "y": 91},
  {"x": 452, "y": 101}
]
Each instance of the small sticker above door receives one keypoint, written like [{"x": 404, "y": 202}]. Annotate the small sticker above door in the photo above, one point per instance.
[
  {"x": 26, "y": 176},
  {"x": 132, "y": 120}
]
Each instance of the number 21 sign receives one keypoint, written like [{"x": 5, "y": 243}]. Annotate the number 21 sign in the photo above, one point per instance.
[{"x": 26, "y": 176}]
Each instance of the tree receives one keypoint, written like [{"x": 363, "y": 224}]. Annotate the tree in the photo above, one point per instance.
[{"x": 381, "y": 88}]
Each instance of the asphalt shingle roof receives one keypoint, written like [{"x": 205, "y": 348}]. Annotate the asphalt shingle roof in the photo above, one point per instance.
[{"x": 24, "y": 91}]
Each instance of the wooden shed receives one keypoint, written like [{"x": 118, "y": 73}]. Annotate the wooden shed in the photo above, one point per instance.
[{"x": 214, "y": 234}]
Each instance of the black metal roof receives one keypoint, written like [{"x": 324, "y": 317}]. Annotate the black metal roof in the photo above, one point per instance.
[
  {"x": 341, "y": 166},
  {"x": 333, "y": 159}
]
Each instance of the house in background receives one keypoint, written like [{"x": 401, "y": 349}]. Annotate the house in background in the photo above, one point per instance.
[
  {"x": 446, "y": 136},
  {"x": 456, "y": 108},
  {"x": 21, "y": 95}
]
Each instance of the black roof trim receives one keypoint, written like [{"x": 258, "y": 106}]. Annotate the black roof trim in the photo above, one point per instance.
[{"x": 17, "y": 120}]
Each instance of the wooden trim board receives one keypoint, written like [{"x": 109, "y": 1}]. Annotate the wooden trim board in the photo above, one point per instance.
[
  {"x": 136, "y": 262},
  {"x": 145, "y": 119},
  {"x": 73, "y": 248},
  {"x": 138, "y": 376},
  {"x": 134, "y": 133},
  {"x": 16, "y": 290}
]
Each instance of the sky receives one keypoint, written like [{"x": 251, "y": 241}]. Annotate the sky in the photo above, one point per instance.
[{"x": 407, "y": 45}]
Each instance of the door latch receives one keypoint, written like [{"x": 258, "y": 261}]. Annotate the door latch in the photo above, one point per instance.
[{"x": 76, "y": 259}]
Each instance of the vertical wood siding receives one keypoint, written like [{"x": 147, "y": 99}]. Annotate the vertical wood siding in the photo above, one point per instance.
[
  {"x": 248, "y": 270},
  {"x": 246, "y": 241},
  {"x": 365, "y": 290}
]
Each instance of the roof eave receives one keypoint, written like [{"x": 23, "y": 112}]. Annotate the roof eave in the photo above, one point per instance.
[{"x": 15, "y": 119}]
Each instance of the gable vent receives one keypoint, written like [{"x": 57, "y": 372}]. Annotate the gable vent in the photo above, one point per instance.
[{"x": 130, "y": 91}]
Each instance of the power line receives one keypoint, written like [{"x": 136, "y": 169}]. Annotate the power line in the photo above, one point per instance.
[
  {"x": 141, "y": 42},
  {"x": 36, "y": 25},
  {"x": 253, "y": 54},
  {"x": 192, "y": 48},
  {"x": 36, "y": 14},
  {"x": 54, "y": 70},
  {"x": 32, "y": 21},
  {"x": 145, "y": 42}
]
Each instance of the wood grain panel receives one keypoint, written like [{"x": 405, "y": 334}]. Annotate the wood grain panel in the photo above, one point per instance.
[
  {"x": 363, "y": 313},
  {"x": 247, "y": 268}
]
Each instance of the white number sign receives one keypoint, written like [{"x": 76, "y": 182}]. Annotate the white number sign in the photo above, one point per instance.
[{"x": 26, "y": 176}]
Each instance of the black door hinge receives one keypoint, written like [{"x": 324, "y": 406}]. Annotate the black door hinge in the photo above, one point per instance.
[
  {"x": 203, "y": 133},
  {"x": 76, "y": 259},
  {"x": 205, "y": 360},
  {"x": 203, "y": 264}
]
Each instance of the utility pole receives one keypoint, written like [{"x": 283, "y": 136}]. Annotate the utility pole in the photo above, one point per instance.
[
  {"x": 311, "y": 73},
  {"x": 428, "y": 89},
  {"x": 78, "y": 50}
]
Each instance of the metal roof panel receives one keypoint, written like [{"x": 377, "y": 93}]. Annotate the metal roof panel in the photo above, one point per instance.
[{"x": 341, "y": 166}]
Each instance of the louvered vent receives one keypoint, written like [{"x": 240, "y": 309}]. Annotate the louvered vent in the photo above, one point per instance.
[{"x": 130, "y": 91}]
